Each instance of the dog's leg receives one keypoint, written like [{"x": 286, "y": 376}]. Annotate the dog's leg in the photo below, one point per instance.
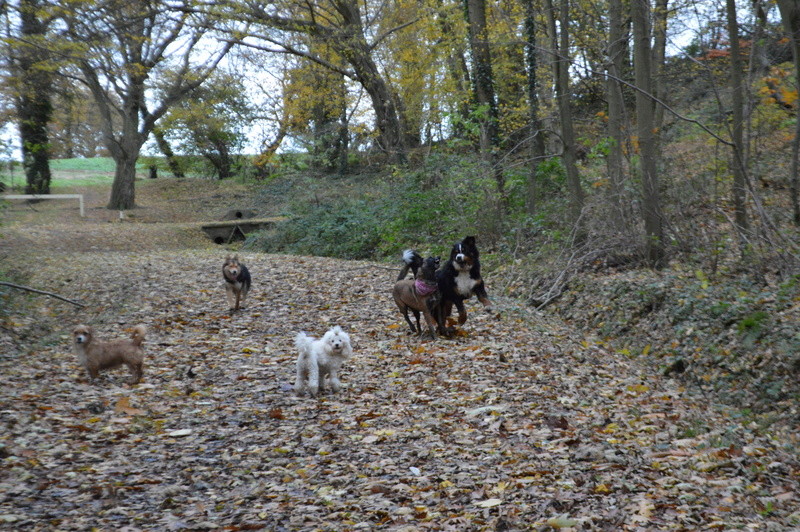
[
  {"x": 416, "y": 317},
  {"x": 335, "y": 384},
  {"x": 444, "y": 310},
  {"x": 136, "y": 371},
  {"x": 408, "y": 320},
  {"x": 430, "y": 321},
  {"x": 323, "y": 372},
  {"x": 483, "y": 297},
  {"x": 313, "y": 376},
  {"x": 229, "y": 294},
  {"x": 244, "y": 291},
  {"x": 302, "y": 373},
  {"x": 238, "y": 297},
  {"x": 462, "y": 312}
]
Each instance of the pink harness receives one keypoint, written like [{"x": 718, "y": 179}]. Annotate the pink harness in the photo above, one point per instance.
[{"x": 425, "y": 289}]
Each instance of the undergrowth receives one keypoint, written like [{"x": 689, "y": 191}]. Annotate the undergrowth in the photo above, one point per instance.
[
  {"x": 730, "y": 337},
  {"x": 376, "y": 216}
]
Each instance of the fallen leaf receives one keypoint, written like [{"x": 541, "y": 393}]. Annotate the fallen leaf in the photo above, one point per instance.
[
  {"x": 489, "y": 503},
  {"x": 123, "y": 406}
]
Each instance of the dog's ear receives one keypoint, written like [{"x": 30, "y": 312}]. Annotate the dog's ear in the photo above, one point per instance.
[{"x": 469, "y": 241}]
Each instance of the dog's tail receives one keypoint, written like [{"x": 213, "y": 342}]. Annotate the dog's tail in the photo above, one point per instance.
[
  {"x": 302, "y": 342},
  {"x": 139, "y": 332},
  {"x": 411, "y": 261}
]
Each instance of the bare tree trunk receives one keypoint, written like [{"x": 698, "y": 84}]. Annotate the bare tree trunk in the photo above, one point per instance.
[
  {"x": 659, "y": 56},
  {"x": 739, "y": 164},
  {"x": 561, "y": 70},
  {"x": 125, "y": 153},
  {"x": 536, "y": 141},
  {"x": 166, "y": 151},
  {"x": 645, "y": 120},
  {"x": 268, "y": 150},
  {"x": 123, "y": 194},
  {"x": 483, "y": 77},
  {"x": 790, "y": 14},
  {"x": 616, "y": 107},
  {"x": 343, "y": 131},
  {"x": 34, "y": 107},
  {"x": 483, "y": 87},
  {"x": 220, "y": 157},
  {"x": 458, "y": 70},
  {"x": 355, "y": 49}
]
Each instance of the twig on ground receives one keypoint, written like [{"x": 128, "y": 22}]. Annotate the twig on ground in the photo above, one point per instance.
[{"x": 51, "y": 294}]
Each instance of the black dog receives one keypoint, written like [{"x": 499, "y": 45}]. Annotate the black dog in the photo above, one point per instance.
[
  {"x": 411, "y": 261},
  {"x": 458, "y": 280}
]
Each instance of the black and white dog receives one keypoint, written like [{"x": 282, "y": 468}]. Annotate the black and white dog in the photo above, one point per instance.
[
  {"x": 411, "y": 261},
  {"x": 460, "y": 279}
]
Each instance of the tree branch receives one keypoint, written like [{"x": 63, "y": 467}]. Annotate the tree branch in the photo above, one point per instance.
[{"x": 51, "y": 294}]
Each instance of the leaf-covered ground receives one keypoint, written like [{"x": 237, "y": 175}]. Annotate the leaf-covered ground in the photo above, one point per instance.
[{"x": 518, "y": 423}]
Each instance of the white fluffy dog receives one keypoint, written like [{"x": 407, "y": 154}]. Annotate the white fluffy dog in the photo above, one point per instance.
[{"x": 320, "y": 358}]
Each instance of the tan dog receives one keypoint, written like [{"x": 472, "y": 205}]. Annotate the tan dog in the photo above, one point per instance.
[
  {"x": 95, "y": 355},
  {"x": 419, "y": 295},
  {"x": 237, "y": 281}
]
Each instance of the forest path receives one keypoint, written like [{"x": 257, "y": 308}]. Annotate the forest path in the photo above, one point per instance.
[{"x": 516, "y": 423}]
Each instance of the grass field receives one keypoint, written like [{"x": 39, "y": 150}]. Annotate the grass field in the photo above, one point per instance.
[{"x": 66, "y": 173}]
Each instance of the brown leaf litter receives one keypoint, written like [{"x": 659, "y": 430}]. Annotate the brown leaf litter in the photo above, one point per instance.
[{"x": 518, "y": 423}]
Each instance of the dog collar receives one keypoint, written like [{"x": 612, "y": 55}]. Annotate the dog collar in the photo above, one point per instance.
[{"x": 423, "y": 288}]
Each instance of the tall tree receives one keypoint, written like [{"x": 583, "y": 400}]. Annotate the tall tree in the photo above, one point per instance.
[
  {"x": 33, "y": 98},
  {"x": 536, "y": 140},
  {"x": 790, "y": 15},
  {"x": 737, "y": 125},
  {"x": 211, "y": 123},
  {"x": 559, "y": 37},
  {"x": 75, "y": 129},
  {"x": 457, "y": 67},
  {"x": 660, "y": 17},
  {"x": 128, "y": 49},
  {"x": 342, "y": 27},
  {"x": 645, "y": 125},
  {"x": 483, "y": 89},
  {"x": 616, "y": 104},
  {"x": 169, "y": 154},
  {"x": 482, "y": 76},
  {"x": 315, "y": 113}
]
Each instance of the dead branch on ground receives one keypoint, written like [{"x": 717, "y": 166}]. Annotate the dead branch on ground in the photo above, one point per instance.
[{"x": 43, "y": 292}]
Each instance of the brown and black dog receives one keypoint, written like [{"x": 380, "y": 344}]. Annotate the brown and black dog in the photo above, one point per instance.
[
  {"x": 460, "y": 279},
  {"x": 237, "y": 281},
  {"x": 419, "y": 295},
  {"x": 95, "y": 355}
]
